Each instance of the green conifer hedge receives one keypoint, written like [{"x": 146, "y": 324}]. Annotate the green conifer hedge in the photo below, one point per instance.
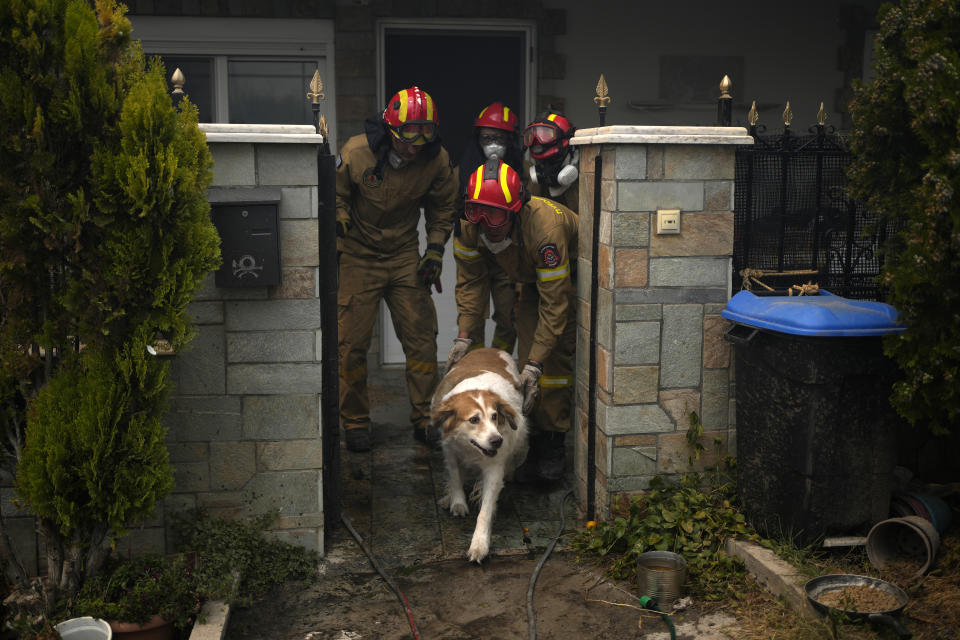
[
  {"x": 105, "y": 236},
  {"x": 906, "y": 145}
]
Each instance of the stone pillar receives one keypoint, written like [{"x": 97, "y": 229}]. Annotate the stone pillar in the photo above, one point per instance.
[
  {"x": 244, "y": 422},
  {"x": 661, "y": 356}
]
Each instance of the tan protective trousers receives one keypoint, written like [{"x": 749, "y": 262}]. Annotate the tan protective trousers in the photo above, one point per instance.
[
  {"x": 504, "y": 295},
  {"x": 363, "y": 283},
  {"x": 552, "y": 411}
]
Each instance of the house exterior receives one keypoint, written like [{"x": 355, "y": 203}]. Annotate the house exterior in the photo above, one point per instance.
[{"x": 254, "y": 368}]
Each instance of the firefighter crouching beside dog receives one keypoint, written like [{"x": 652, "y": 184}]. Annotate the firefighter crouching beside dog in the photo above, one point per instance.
[
  {"x": 535, "y": 241},
  {"x": 383, "y": 178}
]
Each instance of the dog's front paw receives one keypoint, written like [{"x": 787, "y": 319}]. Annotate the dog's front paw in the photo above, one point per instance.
[
  {"x": 459, "y": 507},
  {"x": 478, "y": 550}
]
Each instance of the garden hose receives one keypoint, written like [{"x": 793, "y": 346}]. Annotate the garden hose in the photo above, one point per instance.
[
  {"x": 651, "y": 603},
  {"x": 531, "y": 615},
  {"x": 376, "y": 565}
]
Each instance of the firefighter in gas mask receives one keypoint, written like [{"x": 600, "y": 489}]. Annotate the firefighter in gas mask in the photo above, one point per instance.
[
  {"x": 496, "y": 135},
  {"x": 384, "y": 177},
  {"x": 554, "y": 173},
  {"x": 535, "y": 241}
]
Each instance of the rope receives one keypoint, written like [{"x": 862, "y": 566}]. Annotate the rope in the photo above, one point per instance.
[
  {"x": 752, "y": 276},
  {"x": 376, "y": 565},
  {"x": 808, "y": 289},
  {"x": 531, "y": 616}
]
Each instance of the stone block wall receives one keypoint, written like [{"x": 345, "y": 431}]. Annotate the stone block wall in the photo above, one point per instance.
[
  {"x": 661, "y": 355},
  {"x": 244, "y": 429},
  {"x": 244, "y": 421}
]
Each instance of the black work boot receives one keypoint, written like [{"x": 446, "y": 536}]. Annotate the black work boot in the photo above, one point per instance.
[
  {"x": 527, "y": 472},
  {"x": 357, "y": 438},
  {"x": 545, "y": 458},
  {"x": 427, "y": 435},
  {"x": 552, "y": 456}
]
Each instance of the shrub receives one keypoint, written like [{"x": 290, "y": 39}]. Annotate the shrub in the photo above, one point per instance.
[
  {"x": 104, "y": 237},
  {"x": 907, "y": 165}
]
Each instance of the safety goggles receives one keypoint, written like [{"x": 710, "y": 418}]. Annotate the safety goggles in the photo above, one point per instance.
[
  {"x": 415, "y": 132},
  {"x": 540, "y": 134},
  {"x": 492, "y": 138},
  {"x": 492, "y": 217}
]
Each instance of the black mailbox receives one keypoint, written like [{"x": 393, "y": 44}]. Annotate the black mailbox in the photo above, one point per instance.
[{"x": 249, "y": 239}]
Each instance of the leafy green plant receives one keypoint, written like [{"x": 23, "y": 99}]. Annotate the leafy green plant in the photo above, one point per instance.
[
  {"x": 692, "y": 517},
  {"x": 104, "y": 238},
  {"x": 237, "y": 562},
  {"x": 135, "y": 590},
  {"x": 906, "y": 167}
]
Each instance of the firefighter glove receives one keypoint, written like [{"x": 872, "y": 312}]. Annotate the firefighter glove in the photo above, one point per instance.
[
  {"x": 457, "y": 351},
  {"x": 343, "y": 227},
  {"x": 530, "y": 384},
  {"x": 428, "y": 269}
]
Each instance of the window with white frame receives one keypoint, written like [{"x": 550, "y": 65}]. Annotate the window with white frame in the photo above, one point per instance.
[{"x": 243, "y": 70}]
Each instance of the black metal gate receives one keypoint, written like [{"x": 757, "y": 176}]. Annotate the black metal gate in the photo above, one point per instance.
[{"x": 793, "y": 221}]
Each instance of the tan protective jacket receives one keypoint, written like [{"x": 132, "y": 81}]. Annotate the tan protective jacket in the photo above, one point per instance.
[
  {"x": 384, "y": 213},
  {"x": 543, "y": 251},
  {"x": 569, "y": 198}
]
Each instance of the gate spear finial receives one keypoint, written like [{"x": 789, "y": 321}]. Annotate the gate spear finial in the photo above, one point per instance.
[
  {"x": 787, "y": 114},
  {"x": 602, "y": 99}
]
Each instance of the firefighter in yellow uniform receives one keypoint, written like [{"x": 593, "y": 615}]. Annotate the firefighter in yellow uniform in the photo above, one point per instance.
[
  {"x": 535, "y": 242},
  {"x": 553, "y": 173},
  {"x": 384, "y": 177},
  {"x": 496, "y": 134}
]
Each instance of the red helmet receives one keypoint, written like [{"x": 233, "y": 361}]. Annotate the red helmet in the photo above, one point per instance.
[
  {"x": 411, "y": 116},
  {"x": 498, "y": 116},
  {"x": 494, "y": 191},
  {"x": 548, "y": 136}
]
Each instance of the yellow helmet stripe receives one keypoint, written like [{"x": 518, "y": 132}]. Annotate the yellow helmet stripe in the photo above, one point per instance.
[
  {"x": 429, "y": 101},
  {"x": 478, "y": 180},
  {"x": 506, "y": 114},
  {"x": 503, "y": 183},
  {"x": 552, "y": 117},
  {"x": 482, "y": 112},
  {"x": 403, "y": 106}
]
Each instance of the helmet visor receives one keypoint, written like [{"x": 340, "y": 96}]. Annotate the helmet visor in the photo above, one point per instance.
[
  {"x": 414, "y": 132},
  {"x": 540, "y": 134},
  {"x": 492, "y": 217}
]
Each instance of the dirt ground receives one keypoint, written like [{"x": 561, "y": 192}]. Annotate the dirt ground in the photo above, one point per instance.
[{"x": 457, "y": 600}]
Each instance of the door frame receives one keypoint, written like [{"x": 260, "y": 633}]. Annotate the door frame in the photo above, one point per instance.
[{"x": 526, "y": 27}]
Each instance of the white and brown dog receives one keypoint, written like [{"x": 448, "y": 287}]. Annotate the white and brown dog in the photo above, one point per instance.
[{"x": 477, "y": 409}]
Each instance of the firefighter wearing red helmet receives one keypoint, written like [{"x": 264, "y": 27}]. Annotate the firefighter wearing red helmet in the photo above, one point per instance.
[
  {"x": 384, "y": 177},
  {"x": 496, "y": 134},
  {"x": 554, "y": 172},
  {"x": 535, "y": 241}
]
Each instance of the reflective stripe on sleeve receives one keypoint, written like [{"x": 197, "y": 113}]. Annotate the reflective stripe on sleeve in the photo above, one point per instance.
[
  {"x": 555, "y": 382},
  {"x": 464, "y": 252},
  {"x": 548, "y": 275}
]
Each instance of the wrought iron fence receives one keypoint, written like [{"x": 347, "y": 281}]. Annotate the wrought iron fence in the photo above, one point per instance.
[{"x": 793, "y": 220}]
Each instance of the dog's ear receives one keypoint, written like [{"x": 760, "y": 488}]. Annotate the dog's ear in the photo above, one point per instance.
[
  {"x": 505, "y": 413},
  {"x": 444, "y": 419}
]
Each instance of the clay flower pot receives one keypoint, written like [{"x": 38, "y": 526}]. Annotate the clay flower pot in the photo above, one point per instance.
[{"x": 156, "y": 628}]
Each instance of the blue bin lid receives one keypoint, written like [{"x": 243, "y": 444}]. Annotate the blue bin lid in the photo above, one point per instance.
[{"x": 820, "y": 315}]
